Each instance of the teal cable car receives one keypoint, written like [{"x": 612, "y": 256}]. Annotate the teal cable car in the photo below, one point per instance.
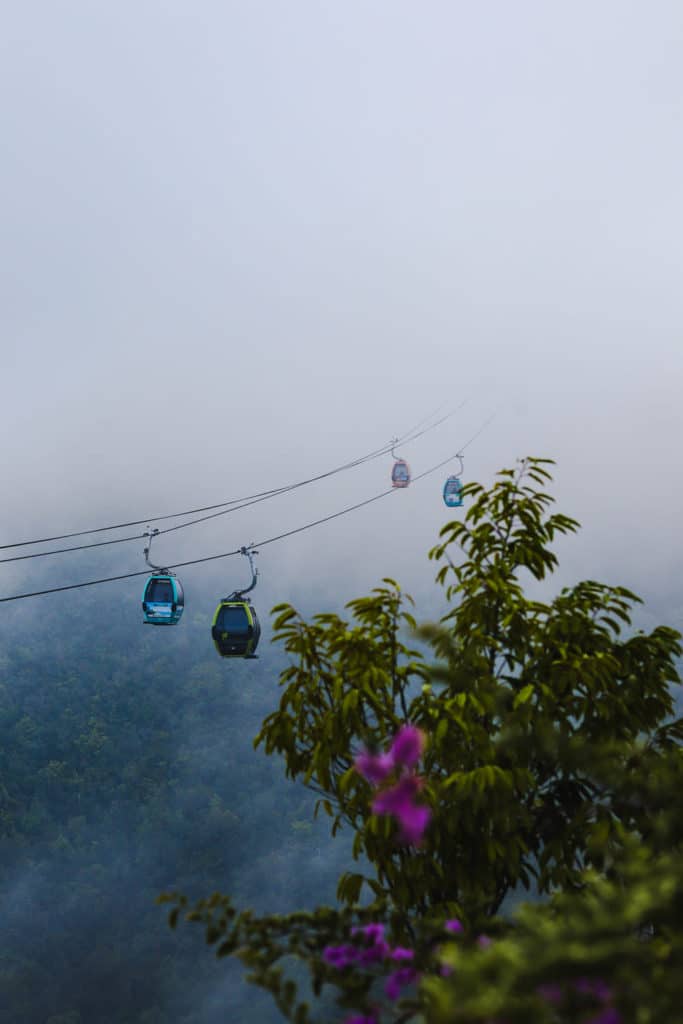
[
  {"x": 452, "y": 489},
  {"x": 163, "y": 600}
]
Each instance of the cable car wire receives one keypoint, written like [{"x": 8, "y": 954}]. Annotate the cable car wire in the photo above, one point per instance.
[
  {"x": 263, "y": 543},
  {"x": 174, "y": 515},
  {"x": 407, "y": 439},
  {"x": 376, "y": 497},
  {"x": 235, "y": 504},
  {"x": 376, "y": 453}
]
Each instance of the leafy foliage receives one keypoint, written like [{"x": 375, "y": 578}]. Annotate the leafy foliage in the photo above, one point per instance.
[
  {"x": 515, "y": 682},
  {"x": 546, "y": 723},
  {"x": 617, "y": 941}
]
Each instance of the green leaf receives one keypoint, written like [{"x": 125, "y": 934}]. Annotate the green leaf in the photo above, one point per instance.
[{"x": 524, "y": 695}]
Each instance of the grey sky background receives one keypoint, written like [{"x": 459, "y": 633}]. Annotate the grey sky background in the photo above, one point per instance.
[{"x": 244, "y": 242}]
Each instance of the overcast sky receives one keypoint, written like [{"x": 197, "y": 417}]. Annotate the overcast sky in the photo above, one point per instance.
[{"x": 242, "y": 242}]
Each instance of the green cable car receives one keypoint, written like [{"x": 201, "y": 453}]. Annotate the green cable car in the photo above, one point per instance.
[{"x": 236, "y": 629}]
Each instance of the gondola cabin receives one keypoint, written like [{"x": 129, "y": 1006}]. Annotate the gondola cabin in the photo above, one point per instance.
[
  {"x": 163, "y": 600},
  {"x": 452, "y": 492},
  {"x": 236, "y": 629},
  {"x": 400, "y": 474}
]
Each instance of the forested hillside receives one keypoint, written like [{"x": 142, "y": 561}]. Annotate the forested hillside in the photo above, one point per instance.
[{"x": 127, "y": 768}]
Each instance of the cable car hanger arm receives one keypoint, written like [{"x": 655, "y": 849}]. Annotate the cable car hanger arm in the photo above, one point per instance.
[
  {"x": 249, "y": 552},
  {"x": 152, "y": 534}
]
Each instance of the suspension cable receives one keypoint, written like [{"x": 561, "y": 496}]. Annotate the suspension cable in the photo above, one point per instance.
[
  {"x": 234, "y": 505},
  {"x": 263, "y": 543}
]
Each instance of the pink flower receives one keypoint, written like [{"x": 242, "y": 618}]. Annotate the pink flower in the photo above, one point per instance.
[
  {"x": 373, "y": 931},
  {"x": 378, "y": 949},
  {"x": 402, "y": 953},
  {"x": 374, "y": 954},
  {"x": 374, "y": 767},
  {"x": 453, "y": 926},
  {"x": 398, "y": 801},
  {"x": 396, "y": 981},
  {"x": 413, "y": 824},
  {"x": 408, "y": 744},
  {"x": 405, "y": 751},
  {"x": 398, "y": 798},
  {"x": 340, "y": 956}
]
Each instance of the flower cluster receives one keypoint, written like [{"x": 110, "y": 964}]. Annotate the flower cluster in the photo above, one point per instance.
[
  {"x": 399, "y": 799},
  {"x": 393, "y": 776},
  {"x": 595, "y": 989},
  {"x": 375, "y": 950},
  {"x": 397, "y": 764}
]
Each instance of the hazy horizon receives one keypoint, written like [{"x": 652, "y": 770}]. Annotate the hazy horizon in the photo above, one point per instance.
[{"x": 242, "y": 244}]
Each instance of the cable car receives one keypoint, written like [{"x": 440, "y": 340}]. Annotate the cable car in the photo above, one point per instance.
[
  {"x": 452, "y": 489},
  {"x": 452, "y": 492},
  {"x": 163, "y": 600},
  {"x": 400, "y": 472},
  {"x": 236, "y": 629}
]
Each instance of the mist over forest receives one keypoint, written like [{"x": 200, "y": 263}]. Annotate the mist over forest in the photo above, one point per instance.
[
  {"x": 128, "y": 769},
  {"x": 242, "y": 245}
]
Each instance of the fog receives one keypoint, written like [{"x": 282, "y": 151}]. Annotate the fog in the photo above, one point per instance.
[{"x": 244, "y": 243}]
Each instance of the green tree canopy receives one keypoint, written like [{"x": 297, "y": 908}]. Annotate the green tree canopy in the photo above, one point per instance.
[
  {"x": 514, "y": 682},
  {"x": 524, "y": 702}
]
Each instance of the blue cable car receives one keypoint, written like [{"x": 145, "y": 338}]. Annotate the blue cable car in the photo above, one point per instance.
[
  {"x": 452, "y": 489},
  {"x": 163, "y": 600},
  {"x": 235, "y": 629}
]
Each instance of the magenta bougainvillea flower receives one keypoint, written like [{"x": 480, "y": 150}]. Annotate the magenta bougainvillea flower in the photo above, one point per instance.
[
  {"x": 453, "y": 926},
  {"x": 413, "y": 824},
  {"x": 374, "y": 954},
  {"x": 405, "y": 751},
  {"x": 407, "y": 746},
  {"x": 378, "y": 949},
  {"x": 399, "y": 801},
  {"x": 396, "y": 981},
  {"x": 398, "y": 798},
  {"x": 375, "y": 768},
  {"x": 340, "y": 956},
  {"x": 402, "y": 953}
]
